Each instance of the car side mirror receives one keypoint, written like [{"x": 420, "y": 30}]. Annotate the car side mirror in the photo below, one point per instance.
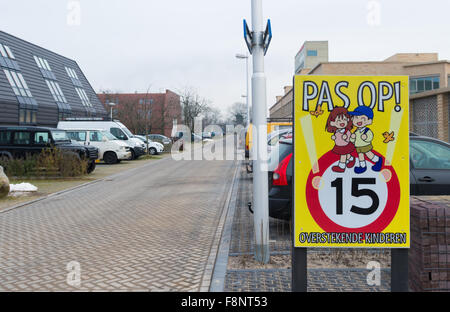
[{"x": 104, "y": 139}]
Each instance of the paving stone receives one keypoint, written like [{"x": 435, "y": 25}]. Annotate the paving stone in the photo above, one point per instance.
[
  {"x": 279, "y": 280},
  {"x": 140, "y": 230}
]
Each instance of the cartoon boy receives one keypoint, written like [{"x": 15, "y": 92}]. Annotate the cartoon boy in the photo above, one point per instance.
[{"x": 362, "y": 138}]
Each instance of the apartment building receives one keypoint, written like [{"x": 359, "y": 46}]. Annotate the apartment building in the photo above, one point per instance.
[{"x": 40, "y": 87}]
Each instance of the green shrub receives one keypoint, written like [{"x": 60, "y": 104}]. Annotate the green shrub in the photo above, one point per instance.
[{"x": 50, "y": 162}]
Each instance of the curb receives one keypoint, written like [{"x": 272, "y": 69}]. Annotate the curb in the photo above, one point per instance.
[
  {"x": 220, "y": 267},
  {"x": 115, "y": 175}
]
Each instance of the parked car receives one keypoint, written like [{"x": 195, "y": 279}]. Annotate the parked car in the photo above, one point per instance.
[
  {"x": 430, "y": 166},
  {"x": 207, "y": 135},
  {"x": 272, "y": 125},
  {"x": 154, "y": 148},
  {"x": 272, "y": 140},
  {"x": 116, "y": 128},
  {"x": 19, "y": 142},
  {"x": 280, "y": 180},
  {"x": 160, "y": 139},
  {"x": 429, "y": 172},
  {"x": 275, "y": 136},
  {"x": 110, "y": 149},
  {"x": 196, "y": 138}
]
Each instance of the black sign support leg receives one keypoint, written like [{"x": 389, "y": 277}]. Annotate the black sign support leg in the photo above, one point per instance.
[
  {"x": 299, "y": 270},
  {"x": 399, "y": 270}
]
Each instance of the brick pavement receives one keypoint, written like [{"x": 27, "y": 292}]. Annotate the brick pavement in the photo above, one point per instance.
[
  {"x": 319, "y": 280},
  {"x": 279, "y": 279},
  {"x": 149, "y": 228}
]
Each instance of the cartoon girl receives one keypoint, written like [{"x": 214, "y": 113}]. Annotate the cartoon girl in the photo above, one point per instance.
[{"x": 340, "y": 123}]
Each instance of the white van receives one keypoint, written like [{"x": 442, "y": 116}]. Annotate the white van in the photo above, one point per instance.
[
  {"x": 110, "y": 149},
  {"x": 116, "y": 128}
]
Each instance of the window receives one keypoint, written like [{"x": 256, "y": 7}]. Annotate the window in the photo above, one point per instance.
[
  {"x": 118, "y": 133},
  {"x": 95, "y": 136},
  {"x": 64, "y": 109},
  {"x": 5, "y": 137},
  {"x": 17, "y": 83},
  {"x": 79, "y": 136},
  {"x": 71, "y": 72},
  {"x": 22, "y": 138},
  {"x": 27, "y": 105},
  {"x": 423, "y": 84},
  {"x": 74, "y": 77},
  {"x": 311, "y": 53},
  {"x": 83, "y": 97},
  {"x": 7, "y": 58},
  {"x": 5, "y": 51},
  {"x": 42, "y": 138},
  {"x": 430, "y": 155},
  {"x": 60, "y": 135},
  {"x": 56, "y": 91},
  {"x": 27, "y": 116},
  {"x": 42, "y": 63}
]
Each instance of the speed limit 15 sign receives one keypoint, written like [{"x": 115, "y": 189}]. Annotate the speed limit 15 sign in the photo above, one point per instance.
[{"x": 351, "y": 156}]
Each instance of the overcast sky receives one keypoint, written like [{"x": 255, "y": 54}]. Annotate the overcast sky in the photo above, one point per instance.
[{"x": 127, "y": 45}]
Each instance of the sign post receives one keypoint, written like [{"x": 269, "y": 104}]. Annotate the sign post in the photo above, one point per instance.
[{"x": 351, "y": 166}]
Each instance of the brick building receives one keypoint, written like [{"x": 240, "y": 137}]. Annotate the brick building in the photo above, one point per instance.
[
  {"x": 429, "y": 88},
  {"x": 159, "y": 111}
]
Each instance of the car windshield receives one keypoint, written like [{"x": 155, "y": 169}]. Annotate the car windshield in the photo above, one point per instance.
[
  {"x": 60, "y": 136},
  {"x": 108, "y": 135},
  {"x": 129, "y": 134},
  {"x": 276, "y": 136}
]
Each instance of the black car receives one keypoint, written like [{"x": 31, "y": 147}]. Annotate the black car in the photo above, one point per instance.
[
  {"x": 429, "y": 172},
  {"x": 430, "y": 166},
  {"x": 19, "y": 142}
]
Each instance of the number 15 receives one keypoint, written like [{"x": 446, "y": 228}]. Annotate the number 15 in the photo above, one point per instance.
[{"x": 356, "y": 192}]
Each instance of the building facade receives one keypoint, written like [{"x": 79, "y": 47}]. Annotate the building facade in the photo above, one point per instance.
[
  {"x": 39, "y": 87},
  {"x": 429, "y": 88},
  {"x": 155, "y": 112},
  {"x": 311, "y": 54}
]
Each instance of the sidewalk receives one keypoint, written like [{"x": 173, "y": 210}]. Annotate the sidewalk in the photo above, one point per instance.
[{"x": 328, "y": 270}]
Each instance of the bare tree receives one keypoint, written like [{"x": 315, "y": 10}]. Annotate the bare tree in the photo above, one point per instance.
[
  {"x": 211, "y": 116},
  {"x": 192, "y": 106},
  {"x": 237, "y": 114}
]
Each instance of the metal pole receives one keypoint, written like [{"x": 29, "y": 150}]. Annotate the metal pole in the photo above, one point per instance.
[
  {"x": 248, "y": 94},
  {"x": 299, "y": 270},
  {"x": 399, "y": 270},
  {"x": 259, "y": 99}
]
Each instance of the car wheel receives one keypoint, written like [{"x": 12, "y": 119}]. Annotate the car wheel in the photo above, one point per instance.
[
  {"x": 91, "y": 167},
  {"x": 133, "y": 155},
  {"x": 153, "y": 151},
  {"x": 110, "y": 158}
]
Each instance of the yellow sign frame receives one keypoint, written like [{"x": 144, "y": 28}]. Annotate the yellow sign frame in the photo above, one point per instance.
[{"x": 321, "y": 222}]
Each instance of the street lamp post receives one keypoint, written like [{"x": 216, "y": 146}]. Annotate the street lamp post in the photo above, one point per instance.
[
  {"x": 111, "y": 105},
  {"x": 258, "y": 42},
  {"x": 246, "y": 57}
]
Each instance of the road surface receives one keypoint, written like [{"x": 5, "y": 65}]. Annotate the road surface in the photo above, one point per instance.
[{"x": 152, "y": 228}]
